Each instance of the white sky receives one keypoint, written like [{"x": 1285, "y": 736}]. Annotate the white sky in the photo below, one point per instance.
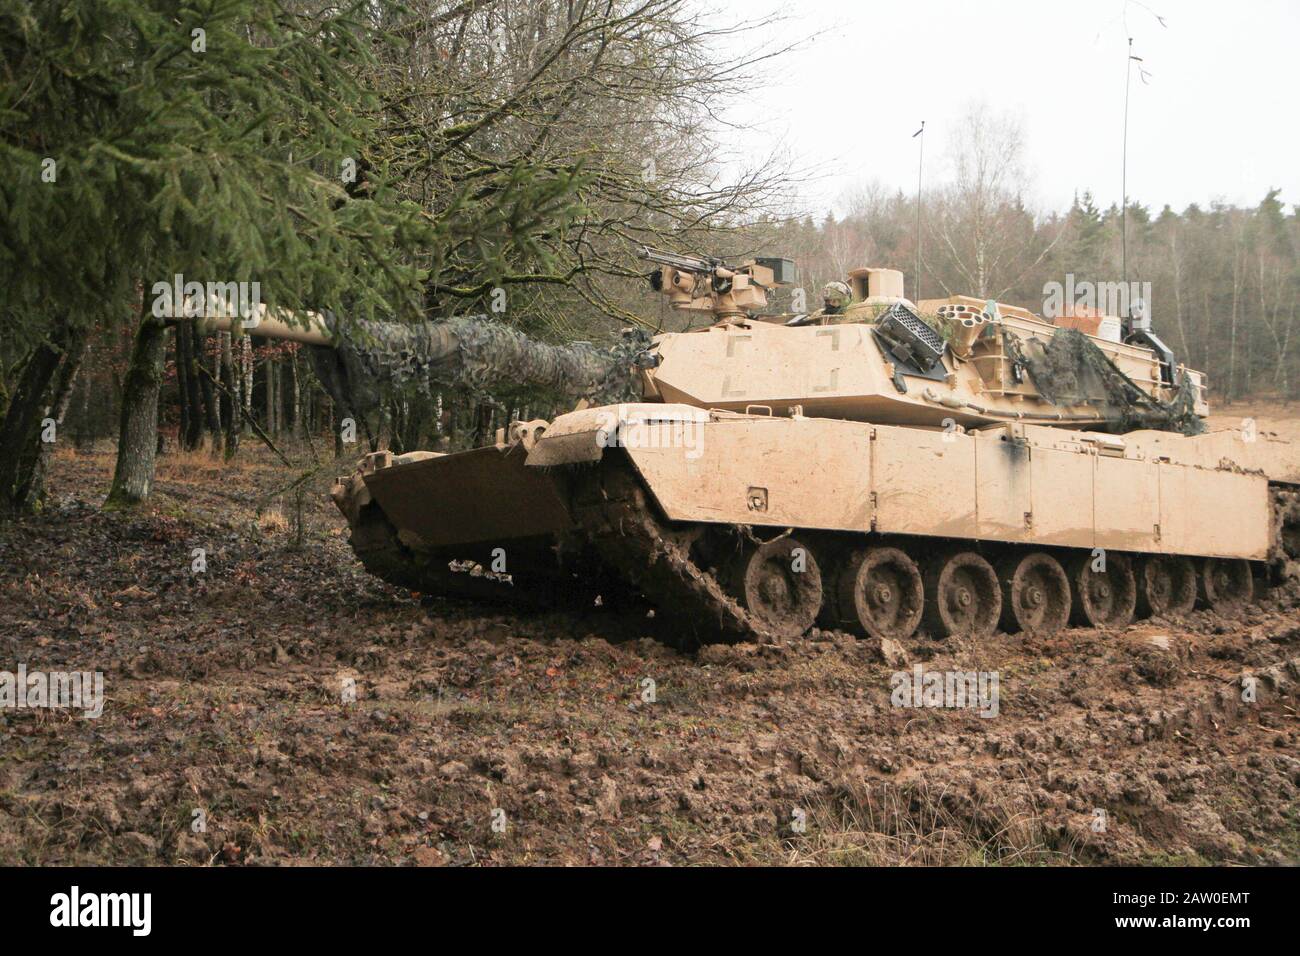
[{"x": 1217, "y": 118}]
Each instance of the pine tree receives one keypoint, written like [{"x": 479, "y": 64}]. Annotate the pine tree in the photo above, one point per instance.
[
  {"x": 1087, "y": 247},
  {"x": 217, "y": 141}
]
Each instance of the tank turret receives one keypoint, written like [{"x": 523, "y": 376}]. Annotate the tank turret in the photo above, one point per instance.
[{"x": 882, "y": 358}]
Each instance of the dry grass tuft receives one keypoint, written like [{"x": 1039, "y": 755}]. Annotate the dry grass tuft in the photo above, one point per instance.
[
  {"x": 272, "y": 521},
  {"x": 882, "y": 824}
]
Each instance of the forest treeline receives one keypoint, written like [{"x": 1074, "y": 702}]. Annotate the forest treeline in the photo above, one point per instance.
[{"x": 438, "y": 158}]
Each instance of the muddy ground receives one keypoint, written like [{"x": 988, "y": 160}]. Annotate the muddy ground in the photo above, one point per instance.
[{"x": 486, "y": 737}]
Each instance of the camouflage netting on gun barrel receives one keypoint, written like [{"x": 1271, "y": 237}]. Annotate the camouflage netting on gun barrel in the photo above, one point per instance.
[
  {"x": 474, "y": 354},
  {"x": 1072, "y": 370}
]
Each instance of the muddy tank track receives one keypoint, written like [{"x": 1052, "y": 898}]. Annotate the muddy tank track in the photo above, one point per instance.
[
  {"x": 616, "y": 521},
  {"x": 1285, "y": 554},
  {"x": 621, "y": 523}
]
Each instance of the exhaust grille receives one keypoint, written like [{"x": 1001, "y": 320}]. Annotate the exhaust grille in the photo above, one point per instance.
[{"x": 909, "y": 338}]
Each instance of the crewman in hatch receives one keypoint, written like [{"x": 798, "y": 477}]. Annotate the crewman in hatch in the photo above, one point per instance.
[{"x": 836, "y": 298}]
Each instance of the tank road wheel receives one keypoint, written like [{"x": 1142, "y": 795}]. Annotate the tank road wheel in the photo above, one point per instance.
[
  {"x": 1035, "y": 594},
  {"x": 880, "y": 594},
  {"x": 1227, "y": 583},
  {"x": 780, "y": 584},
  {"x": 962, "y": 596},
  {"x": 1166, "y": 586},
  {"x": 1103, "y": 598}
]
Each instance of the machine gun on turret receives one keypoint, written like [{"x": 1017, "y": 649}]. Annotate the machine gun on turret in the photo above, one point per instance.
[{"x": 706, "y": 284}]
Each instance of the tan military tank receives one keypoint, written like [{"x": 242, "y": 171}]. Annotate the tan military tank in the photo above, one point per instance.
[{"x": 948, "y": 466}]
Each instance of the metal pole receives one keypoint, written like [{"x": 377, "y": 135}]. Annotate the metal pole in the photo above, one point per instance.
[
  {"x": 1123, "y": 210},
  {"x": 920, "y": 165}
]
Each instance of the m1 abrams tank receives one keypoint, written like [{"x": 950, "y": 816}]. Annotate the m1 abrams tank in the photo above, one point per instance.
[{"x": 949, "y": 466}]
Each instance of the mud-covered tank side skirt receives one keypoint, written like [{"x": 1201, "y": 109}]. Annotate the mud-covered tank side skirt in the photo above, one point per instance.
[
  {"x": 672, "y": 497},
  {"x": 1285, "y": 497}
]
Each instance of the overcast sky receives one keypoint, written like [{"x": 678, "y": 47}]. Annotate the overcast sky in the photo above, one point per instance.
[{"x": 1216, "y": 118}]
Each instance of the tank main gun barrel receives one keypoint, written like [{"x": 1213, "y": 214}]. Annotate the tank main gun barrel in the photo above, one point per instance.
[
  {"x": 310, "y": 328},
  {"x": 366, "y": 358}
]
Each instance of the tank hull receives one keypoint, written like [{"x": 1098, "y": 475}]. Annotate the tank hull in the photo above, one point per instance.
[{"x": 662, "y": 497}]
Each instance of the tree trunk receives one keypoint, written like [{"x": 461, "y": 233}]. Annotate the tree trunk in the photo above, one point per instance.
[
  {"x": 182, "y": 384},
  {"x": 211, "y": 397},
  {"x": 295, "y": 416},
  {"x": 66, "y": 378},
  {"x": 1232, "y": 336},
  {"x": 84, "y": 438},
  {"x": 453, "y": 424},
  {"x": 187, "y": 356},
  {"x": 483, "y": 416},
  {"x": 43, "y": 387},
  {"x": 268, "y": 394},
  {"x": 336, "y": 426},
  {"x": 194, "y": 394},
  {"x": 277, "y": 396},
  {"x": 138, "y": 436},
  {"x": 230, "y": 378},
  {"x": 246, "y": 373}
]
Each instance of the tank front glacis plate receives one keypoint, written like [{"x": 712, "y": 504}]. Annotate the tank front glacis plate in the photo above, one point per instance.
[
  {"x": 487, "y": 494},
  {"x": 1080, "y": 490}
]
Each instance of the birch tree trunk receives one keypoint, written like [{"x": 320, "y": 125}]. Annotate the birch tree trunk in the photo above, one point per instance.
[{"x": 231, "y": 378}]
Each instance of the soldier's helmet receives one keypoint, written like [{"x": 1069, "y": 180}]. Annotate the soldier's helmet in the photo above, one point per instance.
[{"x": 836, "y": 294}]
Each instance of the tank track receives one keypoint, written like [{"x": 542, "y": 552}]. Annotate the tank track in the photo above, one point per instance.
[
  {"x": 1285, "y": 554},
  {"x": 621, "y": 524}
]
